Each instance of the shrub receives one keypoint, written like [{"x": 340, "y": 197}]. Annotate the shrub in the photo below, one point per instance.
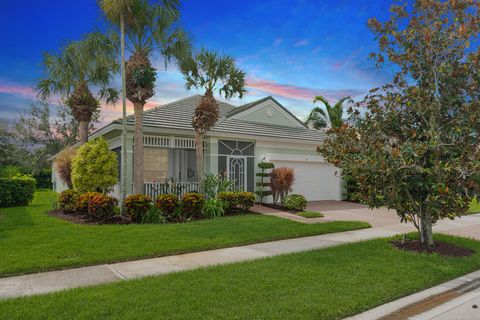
[
  {"x": 192, "y": 204},
  {"x": 214, "y": 208},
  {"x": 68, "y": 201},
  {"x": 295, "y": 202},
  {"x": 246, "y": 200},
  {"x": 237, "y": 200},
  {"x": 281, "y": 182},
  {"x": 43, "y": 178},
  {"x": 83, "y": 200},
  {"x": 167, "y": 203},
  {"x": 102, "y": 207},
  {"x": 16, "y": 190},
  {"x": 95, "y": 168},
  {"x": 216, "y": 183},
  {"x": 137, "y": 205},
  {"x": 153, "y": 215},
  {"x": 63, "y": 165}
]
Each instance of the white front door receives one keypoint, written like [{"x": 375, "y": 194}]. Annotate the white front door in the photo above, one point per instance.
[{"x": 237, "y": 171}]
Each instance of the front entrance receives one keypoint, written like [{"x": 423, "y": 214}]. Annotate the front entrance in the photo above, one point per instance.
[{"x": 237, "y": 171}]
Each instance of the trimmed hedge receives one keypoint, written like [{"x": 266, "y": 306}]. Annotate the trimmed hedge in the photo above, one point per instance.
[
  {"x": 237, "y": 200},
  {"x": 16, "y": 191}
]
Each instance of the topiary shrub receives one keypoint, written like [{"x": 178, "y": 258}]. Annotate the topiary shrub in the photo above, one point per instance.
[
  {"x": 95, "y": 167},
  {"x": 102, "y": 207},
  {"x": 167, "y": 203},
  {"x": 137, "y": 205},
  {"x": 192, "y": 204},
  {"x": 16, "y": 190},
  {"x": 295, "y": 202},
  {"x": 68, "y": 201}
]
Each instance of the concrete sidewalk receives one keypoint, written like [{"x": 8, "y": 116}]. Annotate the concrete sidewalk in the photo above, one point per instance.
[
  {"x": 45, "y": 282},
  {"x": 87, "y": 276}
]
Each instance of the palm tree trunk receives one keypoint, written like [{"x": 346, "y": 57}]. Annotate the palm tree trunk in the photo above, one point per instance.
[
  {"x": 83, "y": 131},
  {"x": 138, "y": 181},
  {"x": 200, "y": 171},
  {"x": 123, "y": 169}
]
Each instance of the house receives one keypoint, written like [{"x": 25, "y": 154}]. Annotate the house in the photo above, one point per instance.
[{"x": 243, "y": 137}]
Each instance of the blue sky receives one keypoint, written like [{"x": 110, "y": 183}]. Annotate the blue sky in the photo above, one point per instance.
[{"x": 290, "y": 49}]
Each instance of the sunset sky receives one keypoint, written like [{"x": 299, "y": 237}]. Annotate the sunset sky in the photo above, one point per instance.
[{"x": 292, "y": 50}]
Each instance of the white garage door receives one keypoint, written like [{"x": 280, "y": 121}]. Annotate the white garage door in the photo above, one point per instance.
[{"x": 313, "y": 180}]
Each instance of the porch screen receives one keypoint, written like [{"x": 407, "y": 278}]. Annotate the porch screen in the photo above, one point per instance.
[{"x": 155, "y": 164}]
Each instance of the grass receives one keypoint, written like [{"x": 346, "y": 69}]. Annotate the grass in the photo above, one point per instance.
[
  {"x": 474, "y": 207},
  {"x": 324, "y": 284},
  {"x": 32, "y": 241},
  {"x": 309, "y": 214}
]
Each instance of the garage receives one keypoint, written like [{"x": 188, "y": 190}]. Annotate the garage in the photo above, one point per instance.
[{"x": 314, "y": 179}]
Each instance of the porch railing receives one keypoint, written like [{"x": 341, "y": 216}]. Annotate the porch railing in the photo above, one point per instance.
[{"x": 153, "y": 189}]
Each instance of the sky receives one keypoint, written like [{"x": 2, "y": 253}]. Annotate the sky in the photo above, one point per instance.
[{"x": 292, "y": 50}]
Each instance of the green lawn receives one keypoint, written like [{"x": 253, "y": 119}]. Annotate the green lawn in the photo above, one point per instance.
[
  {"x": 474, "y": 207},
  {"x": 323, "y": 284},
  {"x": 309, "y": 214},
  {"x": 31, "y": 241}
]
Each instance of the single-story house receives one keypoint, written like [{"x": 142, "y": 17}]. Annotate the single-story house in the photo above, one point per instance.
[{"x": 244, "y": 136}]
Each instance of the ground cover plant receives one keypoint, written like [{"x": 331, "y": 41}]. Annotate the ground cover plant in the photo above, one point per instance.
[
  {"x": 331, "y": 283},
  {"x": 32, "y": 241},
  {"x": 309, "y": 214}
]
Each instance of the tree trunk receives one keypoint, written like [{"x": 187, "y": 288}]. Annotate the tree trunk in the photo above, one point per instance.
[
  {"x": 138, "y": 181},
  {"x": 200, "y": 171},
  {"x": 426, "y": 230},
  {"x": 123, "y": 169},
  {"x": 83, "y": 131}
]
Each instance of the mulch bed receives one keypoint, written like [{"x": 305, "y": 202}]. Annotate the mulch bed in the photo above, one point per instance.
[
  {"x": 442, "y": 248},
  {"x": 279, "y": 207},
  {"x": 83, "y": 219}
]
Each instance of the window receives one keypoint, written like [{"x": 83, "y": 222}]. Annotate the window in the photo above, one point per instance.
[{"x": 155, "y": 164}]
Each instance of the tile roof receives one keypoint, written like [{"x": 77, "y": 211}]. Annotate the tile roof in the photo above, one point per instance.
[{"x": 178, "y": 115}]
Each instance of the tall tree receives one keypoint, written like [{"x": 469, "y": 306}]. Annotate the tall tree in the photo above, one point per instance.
[
  {"x": 149, "y": 28},
  {"x": 77, "y": 69},
  {"x": 415, "y": 147},
  {"x": 332, "y": 117},
  {"x": 212, "y": 73}
]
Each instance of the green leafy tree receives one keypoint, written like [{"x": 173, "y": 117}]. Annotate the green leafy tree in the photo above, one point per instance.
[
  {"x": 78, "y": 68},
  {"x": 212, "y": 73},
  {"x": 95, "y": 167},
  {"x": 331, "y": 117},
  {"x": 149, "y": 28},
  {"x": 415, "y": 145}
]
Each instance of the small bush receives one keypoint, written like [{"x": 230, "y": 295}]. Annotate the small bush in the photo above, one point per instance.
[
  {"x": 68, "y": 201},
  {"x": 281, "y": 182},
  {"x": 153, "y": 215},
  {"x": 192, "y": 204},
  {"x": 294, "y": 202},
  {"x": 83, "y": 200},
  {"x": 237, "y": 200},
  {"x": 246, "y": 200},
  {"x": 16, "y": 190},
  {"x": 102, "y": 207},
  {"x": 63, "y": 165},
  {"x": 137, "y": 205},
  {"x": 167, "y": 203},
  {"x": 214, "y": 208}
]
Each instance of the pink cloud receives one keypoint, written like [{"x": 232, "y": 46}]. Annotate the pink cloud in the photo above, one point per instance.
[
  {"x": 296, "y": 92},
  {"x": 18, "y": 90}
]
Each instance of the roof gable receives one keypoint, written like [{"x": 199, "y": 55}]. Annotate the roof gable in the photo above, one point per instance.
[{"x": 266, "y": 110}]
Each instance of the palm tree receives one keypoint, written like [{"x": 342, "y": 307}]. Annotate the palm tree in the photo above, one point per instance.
[
  {"x": 212, "y": 73},
  {"x": 332, "y": 117},
  {"x": 148, "y": 28},
  {"x": 75, "y": 70}
]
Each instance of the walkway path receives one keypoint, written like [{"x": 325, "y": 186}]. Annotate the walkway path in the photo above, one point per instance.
[{"x": 57, "y": 280}]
